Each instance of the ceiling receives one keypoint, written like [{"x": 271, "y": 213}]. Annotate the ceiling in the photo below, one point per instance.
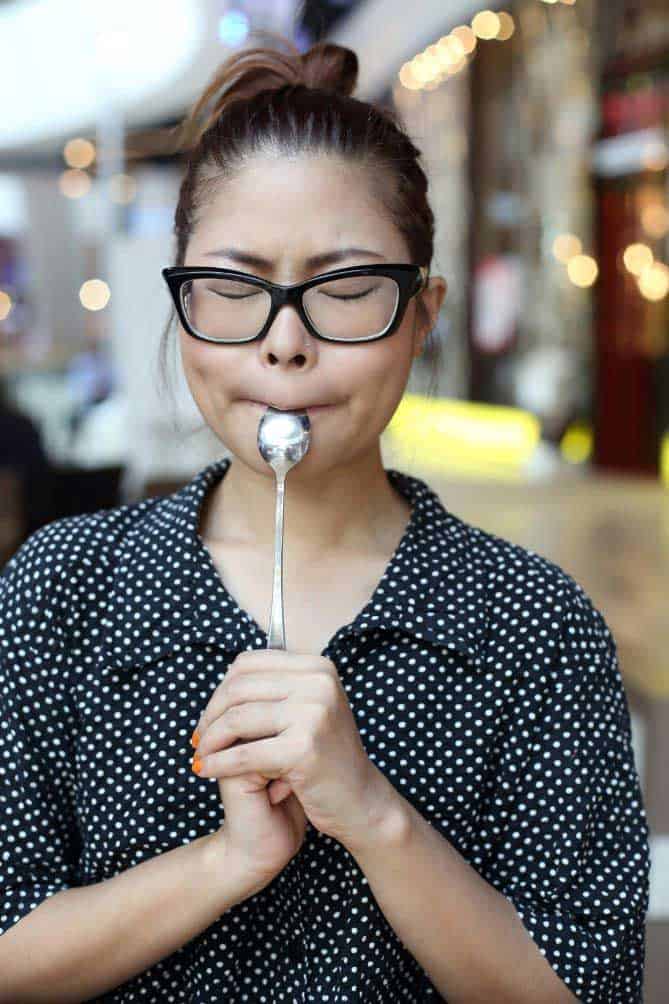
[{"x": 65, "y": 62}]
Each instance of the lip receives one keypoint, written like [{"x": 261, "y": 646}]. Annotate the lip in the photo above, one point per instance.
[{"x": 308, "y": 408}]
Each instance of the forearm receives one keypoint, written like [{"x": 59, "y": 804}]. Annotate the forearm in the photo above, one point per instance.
[
  {"x": 84, "y": 941},
  {"x": 463, "y": 932}
]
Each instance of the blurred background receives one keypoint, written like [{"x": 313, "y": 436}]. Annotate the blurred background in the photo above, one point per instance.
[{"x": 540, "y": 410}]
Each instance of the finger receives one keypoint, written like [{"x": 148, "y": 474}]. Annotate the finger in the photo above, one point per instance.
[
  {"x": 278, "y": 790},
  {"x": 255, "y": 720},
  {"x": 266, "y": 756},
  {"x": 257, "y": 687},
  {"x": 278, "y": 657},
  {"x": 240, "y": 690}
]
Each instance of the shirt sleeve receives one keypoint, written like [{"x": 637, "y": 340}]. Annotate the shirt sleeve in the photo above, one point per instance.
[
  {"x": 39, "y": 839},
  {"x": 570, "y": 831}
]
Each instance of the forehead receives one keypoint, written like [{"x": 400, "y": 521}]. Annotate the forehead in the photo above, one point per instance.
[{"x": 284, "y": 206}]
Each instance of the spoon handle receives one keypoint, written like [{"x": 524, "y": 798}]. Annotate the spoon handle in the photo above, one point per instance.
[{"x": 276, "y": 635}]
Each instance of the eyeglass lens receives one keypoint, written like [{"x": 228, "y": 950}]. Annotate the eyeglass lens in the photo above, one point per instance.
[{"x": 229, "y": 310}]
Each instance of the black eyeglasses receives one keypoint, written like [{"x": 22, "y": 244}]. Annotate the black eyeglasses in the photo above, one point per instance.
[{"x": 362, "y": 303}]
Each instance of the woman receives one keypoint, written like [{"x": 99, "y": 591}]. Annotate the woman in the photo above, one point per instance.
[{"x": 431, "y": 795}]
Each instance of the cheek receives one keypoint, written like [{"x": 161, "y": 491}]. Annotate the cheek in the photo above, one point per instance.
[
  {"x": 206, "y": 368},
  {"x": 189, "y": 350},
  {"x": 380, "y": 383},
  {"x": 195, "y": 357},
  {"x": 384, "y": 371}
]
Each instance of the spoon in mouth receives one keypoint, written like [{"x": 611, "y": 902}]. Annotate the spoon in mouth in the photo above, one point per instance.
[{"x": 283, "y": 440}]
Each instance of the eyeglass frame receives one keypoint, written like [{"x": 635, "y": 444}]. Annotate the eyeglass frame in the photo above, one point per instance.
[{"x": 410, "y": 279}]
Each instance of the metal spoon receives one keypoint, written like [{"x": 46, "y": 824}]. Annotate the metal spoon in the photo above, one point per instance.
[{"x": 283, "y": 440}]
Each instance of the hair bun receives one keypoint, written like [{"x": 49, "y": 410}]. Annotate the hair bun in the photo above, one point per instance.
[
  {"x": 246, "y": 73},
  {"x": 331, "y": 67}
]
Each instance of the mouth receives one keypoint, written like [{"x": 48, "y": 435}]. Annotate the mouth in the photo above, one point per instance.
[{"x": 309, "y": 408}]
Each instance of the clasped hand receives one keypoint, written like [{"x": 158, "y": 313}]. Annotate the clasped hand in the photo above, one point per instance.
[{"x": 296, "y": 709}]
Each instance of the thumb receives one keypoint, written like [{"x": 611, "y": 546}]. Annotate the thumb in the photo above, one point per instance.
[{"x": 277, "y": 790}]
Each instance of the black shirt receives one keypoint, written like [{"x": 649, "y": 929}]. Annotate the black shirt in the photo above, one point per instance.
[{"x": 485, "y": 686}]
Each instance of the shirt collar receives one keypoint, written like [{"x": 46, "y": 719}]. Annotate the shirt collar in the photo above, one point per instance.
[{"x": 163, "y": 551}]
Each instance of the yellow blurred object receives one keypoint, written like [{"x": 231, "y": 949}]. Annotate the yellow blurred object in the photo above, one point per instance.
[
  {"x": 576, "y": 443},
  {"x": 463, "y": 437}
]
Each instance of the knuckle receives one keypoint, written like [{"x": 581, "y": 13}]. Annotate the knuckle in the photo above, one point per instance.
[
  {"x": 307, "y": 746},
  {"x": 232, "y": 717},
  {"x": 325, "y": 717},
  {"x": 329, "y": 690},
  {"x": 232, "y": 690}
]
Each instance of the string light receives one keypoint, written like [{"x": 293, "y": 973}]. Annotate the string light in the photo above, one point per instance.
[
  {"x": 466, "y": 37},
  {"x": 485, "y": 24},
  {"x": 506, "y": 26},
  {"x": 448, "y": 55}
]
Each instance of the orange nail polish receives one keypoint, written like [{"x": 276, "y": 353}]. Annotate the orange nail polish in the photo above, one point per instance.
[
  {"x": 197, "y": 764},
  {"x": 195, "y": 740}
]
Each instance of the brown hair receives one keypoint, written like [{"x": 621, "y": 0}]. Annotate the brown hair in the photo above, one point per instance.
[{"x": 261, "y": 99}]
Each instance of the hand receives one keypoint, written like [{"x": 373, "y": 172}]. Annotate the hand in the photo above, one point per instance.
[
  {"x": 295, "y": 705},
  {"x": 262, "y": 837}
]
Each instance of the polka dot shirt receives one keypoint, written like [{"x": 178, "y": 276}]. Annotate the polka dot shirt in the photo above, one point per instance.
[{"x": 484, "y": 683}]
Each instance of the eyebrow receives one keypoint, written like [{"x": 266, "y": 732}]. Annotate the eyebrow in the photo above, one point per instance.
[{"x": 315, "y": 261}]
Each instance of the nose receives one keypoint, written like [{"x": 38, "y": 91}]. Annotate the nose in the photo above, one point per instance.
[{"x": 287, "y": 339}]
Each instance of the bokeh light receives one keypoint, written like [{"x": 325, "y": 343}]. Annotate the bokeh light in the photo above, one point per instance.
[
  {"x": 653, "y": 281},
  {"x": 582, "y": 270},
  {"x": 94, "y": 294},
  {"x": 565, "y": 246},
  {"x": 637, "y": 257},
  {"x": 486, "y": 24},
  {"x": 79, "y": 153},
  {"x": 74, "y": 183}
]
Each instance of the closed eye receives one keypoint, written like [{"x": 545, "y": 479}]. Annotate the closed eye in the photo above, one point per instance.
[
  {"x": 352, "y": 296},
  {"x": 229, "y": 296}
]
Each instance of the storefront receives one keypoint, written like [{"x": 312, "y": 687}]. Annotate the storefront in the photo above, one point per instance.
[{"x": 537, "y": 206}]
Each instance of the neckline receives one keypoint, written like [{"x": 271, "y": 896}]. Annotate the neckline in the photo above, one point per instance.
[{"x": 401, "y": 482}]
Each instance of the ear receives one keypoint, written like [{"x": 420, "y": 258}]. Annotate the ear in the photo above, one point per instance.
[{"x": 432, "y": 297}]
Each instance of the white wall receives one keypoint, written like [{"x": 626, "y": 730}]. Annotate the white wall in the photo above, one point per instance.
[{"x": 140, "y": 306}]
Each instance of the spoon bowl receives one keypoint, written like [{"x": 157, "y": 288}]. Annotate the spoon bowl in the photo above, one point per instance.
[{"x": 283, "y": 438}]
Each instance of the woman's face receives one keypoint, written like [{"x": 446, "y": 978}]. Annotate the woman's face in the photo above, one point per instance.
[{"x": 286, "y": 210}]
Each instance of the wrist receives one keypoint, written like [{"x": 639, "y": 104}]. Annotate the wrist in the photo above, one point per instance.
[
  {"x": 214, "y": 851},
  {"x": 229, "y": 870},
  {"x": 386, "y": 821}
]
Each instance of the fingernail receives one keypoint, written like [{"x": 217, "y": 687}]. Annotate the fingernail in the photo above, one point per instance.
[
  {"x": 197, "y": 764},
  {"x": 195, "y": 740}
]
